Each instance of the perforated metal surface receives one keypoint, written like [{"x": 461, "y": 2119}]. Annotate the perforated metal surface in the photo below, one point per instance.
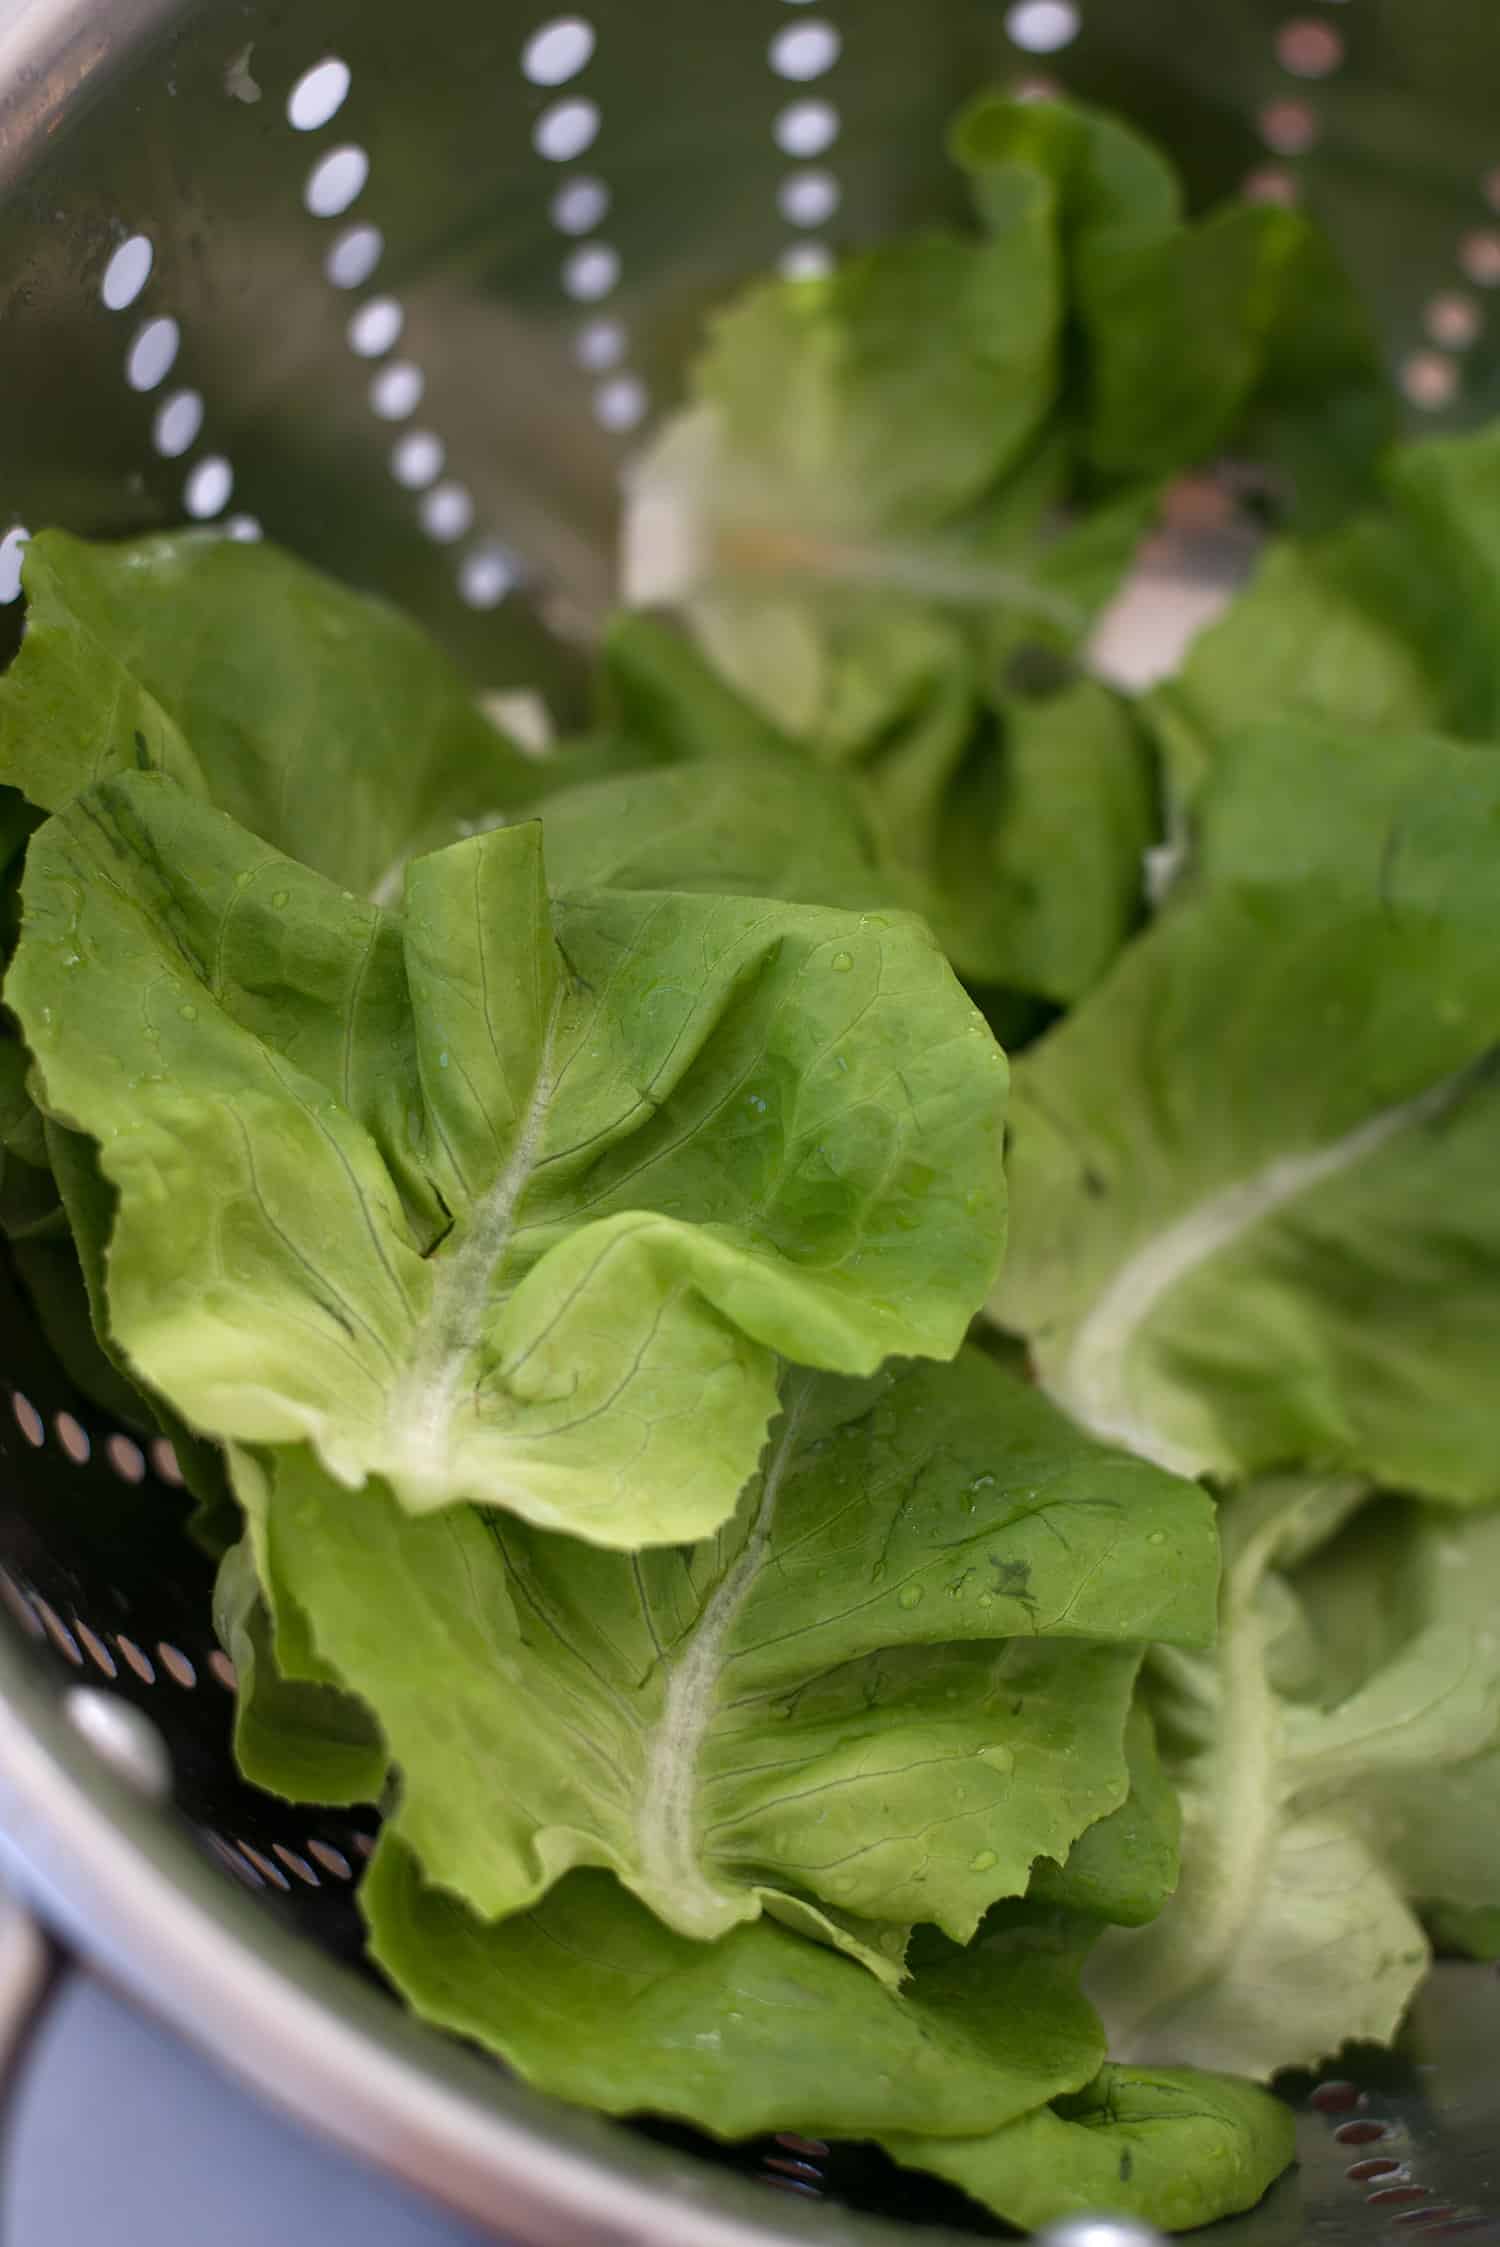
[{"x": 402, "y": 286}]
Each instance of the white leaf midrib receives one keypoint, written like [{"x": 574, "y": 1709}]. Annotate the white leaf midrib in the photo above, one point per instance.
[
  {"x": 667, "y": 1838},
  {"x": 1093, "y": 1382},
  {"x": 1235, "y": 1806},
  {"x": 422, "y": 1409}
]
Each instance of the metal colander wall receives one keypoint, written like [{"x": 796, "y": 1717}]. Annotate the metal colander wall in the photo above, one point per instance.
[{"x": 401, "y": 288}]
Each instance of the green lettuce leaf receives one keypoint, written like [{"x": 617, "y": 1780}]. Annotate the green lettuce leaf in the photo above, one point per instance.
[
  {"x": 900, "y": 1675},
  {"x": 323, "y": 721},
  {"x": 1125, "y": 1867},
  {"x": 52, "y": 1279},
  {"x": 1472, "y": 1933},
  {"x": 1252, "y": 1172},
  {"x": 726, "y": 826},
  {"x": 75, "y": 1288},
  {"x": 1033, "y": 849},
  {"x": 1240, "y": 324},
  {"x": 1017, "y": 827},
  {"x": 1104, "y": 175},
  {"x": 906, "y": 382},
  {"x": 1174, "y": 2147},
  {"x": 1390, "y": 623},
  {"x": 711, "y": 794},
  {"x": 1400, "y": 1577},
  {"x": 592, "y": 1998},
  {"x": 298, "y": 1737},
  {"x": 503, "y": 1200},
  {"x": 1290, "y": 1933}
]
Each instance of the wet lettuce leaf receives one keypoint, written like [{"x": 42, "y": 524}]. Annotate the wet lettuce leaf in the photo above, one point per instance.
[
  {"x": 589, "y": 1996},
  {"x": 1262, "y": 1245},
  {"x": 322, "y": 720},
  {"x": 1173, "y": 2147},
  {"x": 1290, "y": 1931},
  {"x": 901, "y": 1674},
  {"x": 504, "y": 1199}
]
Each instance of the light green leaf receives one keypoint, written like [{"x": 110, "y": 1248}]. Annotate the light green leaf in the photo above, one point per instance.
[
  {"x": 1036, "y": 868},
  {"x": 22, "y": 1138},
  {"x": 1125, "y": 1867},
  {"x": 896, "y": 1678},
  {"x": 892, "y": 395},
  {"x": 323, "y": 721},
  {"x": 726, "y": 826},
  {"x": 1355, "y": 629},
  {"x": 1243, "y": 322},
  {"x": 83, "y": 1337},
  {"x": 1388, "y": 624},
  {"x": 503, "y": 1201},
  {"x": 861, "y": 450},
  {"x": 51, "y": 1278},
  {"x": 1403, "y": 1602},
  {"x": 593, "y": 1999},
  {"x": 302, "y": 1739},
  {"x": 1446, "y": 498},
  {"x": 1019, "y": 833},
  {"x": 720, "y": 798},
  {"x": 1104, "y": 174},
  {"x": 1174, "y": 2147},
  {"x": 1289, "y": 1933},
  {"x": 1235, "y": 1168}
]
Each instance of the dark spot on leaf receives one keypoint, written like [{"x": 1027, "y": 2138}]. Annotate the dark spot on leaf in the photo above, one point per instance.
[
  {"x": 1013, "y": 1581},
  {"x": 142, "y": 753},
  {"x": 1093, "y": 1184},
  {"x": 1127, "y": 2166}
]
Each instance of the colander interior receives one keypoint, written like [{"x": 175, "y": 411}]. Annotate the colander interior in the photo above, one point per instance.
[{"x": 402, "y": 289}]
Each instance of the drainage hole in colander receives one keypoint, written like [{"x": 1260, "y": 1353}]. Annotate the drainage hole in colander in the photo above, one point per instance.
[
  {"x": 127, "y": 273},
  {"x": 558, "y": 51},
  {"x": 319, "y": 94}
]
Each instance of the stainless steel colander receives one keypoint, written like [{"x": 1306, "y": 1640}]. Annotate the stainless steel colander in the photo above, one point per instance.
[{"x": 403, "y": 286}]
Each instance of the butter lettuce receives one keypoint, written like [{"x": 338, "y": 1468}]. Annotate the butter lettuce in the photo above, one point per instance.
[
  {"x": 1263, "y": 1246},
  {"x": 1190, "y": 333},
  {"x": 1307, "y": 1825},
  {"x": 298, "y": 1736},
  {"x": 896, "y": 1678},
  {"x": 321, "y": 719},
  {"x": 1173, "y": 2147},
  {"x": 591, "y": 1997},
  {"x": 546, "y": 1200},
  {"x": 504, "y": 1199}
]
